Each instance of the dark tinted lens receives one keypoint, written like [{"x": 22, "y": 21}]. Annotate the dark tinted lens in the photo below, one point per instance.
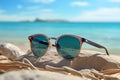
[
  {"x": 39, "y": 45},
  {"x": 68, "y": 46}
]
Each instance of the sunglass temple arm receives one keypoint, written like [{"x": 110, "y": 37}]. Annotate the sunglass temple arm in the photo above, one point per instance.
[{"x": 95, "y": 44}]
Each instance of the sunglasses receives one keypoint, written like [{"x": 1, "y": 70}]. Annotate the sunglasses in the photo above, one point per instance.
[{"x": 68, "y": 46}]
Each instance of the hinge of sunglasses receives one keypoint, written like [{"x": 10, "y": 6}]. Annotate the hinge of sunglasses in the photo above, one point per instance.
[{"x": 30, "y": 38}]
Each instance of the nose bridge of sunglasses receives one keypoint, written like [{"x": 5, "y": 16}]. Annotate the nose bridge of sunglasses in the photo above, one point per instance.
[{"x": 52, "y": 40}]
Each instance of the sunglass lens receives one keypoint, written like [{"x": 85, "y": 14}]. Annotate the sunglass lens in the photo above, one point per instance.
[
  {"x": 68, "y": 46},
  {"x": 39, "y": 45}
]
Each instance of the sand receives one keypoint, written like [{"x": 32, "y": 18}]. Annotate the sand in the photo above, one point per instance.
[{"x": 89, "y": 65}]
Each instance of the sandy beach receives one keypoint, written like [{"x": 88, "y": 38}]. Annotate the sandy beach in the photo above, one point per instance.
[{"x": 89, "y": 65}]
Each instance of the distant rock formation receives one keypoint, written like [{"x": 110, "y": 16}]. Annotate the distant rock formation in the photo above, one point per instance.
[
  {"x": 47, "y": 20},
  {"x": 39, "y": 20},
  {"x": 56, "y": 20}
]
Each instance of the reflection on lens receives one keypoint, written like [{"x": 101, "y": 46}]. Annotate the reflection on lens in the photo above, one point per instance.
[
  {"x": 39, "y": 45},
  {"x": 68, "y": 46}
]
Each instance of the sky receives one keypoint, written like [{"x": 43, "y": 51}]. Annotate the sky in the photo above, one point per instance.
[{"x": 72, "y": 10}]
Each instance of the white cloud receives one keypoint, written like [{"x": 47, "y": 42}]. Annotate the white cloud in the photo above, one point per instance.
[
  {"x": 30, "y": 14},
  {"x": 114, "y": 0},
  {"x": 102, "y": 14},
  {"x": 42, "y": 1},
  {"x": 79, "y": 4},
  {"x": 6, "y": 17},
  {"x": 19, "y": 6}
]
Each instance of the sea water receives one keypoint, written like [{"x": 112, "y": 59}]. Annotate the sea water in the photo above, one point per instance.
[{"x": 104, "y": 33}]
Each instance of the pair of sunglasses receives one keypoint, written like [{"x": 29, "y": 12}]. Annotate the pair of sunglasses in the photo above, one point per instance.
[{"x": 68, "y": 46}]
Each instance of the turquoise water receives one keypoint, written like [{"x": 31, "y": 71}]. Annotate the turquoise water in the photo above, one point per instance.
[{"x": 107, "y": 34}]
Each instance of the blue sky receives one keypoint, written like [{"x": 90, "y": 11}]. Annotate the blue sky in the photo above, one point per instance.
[{"x": 73, "y": 10}]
